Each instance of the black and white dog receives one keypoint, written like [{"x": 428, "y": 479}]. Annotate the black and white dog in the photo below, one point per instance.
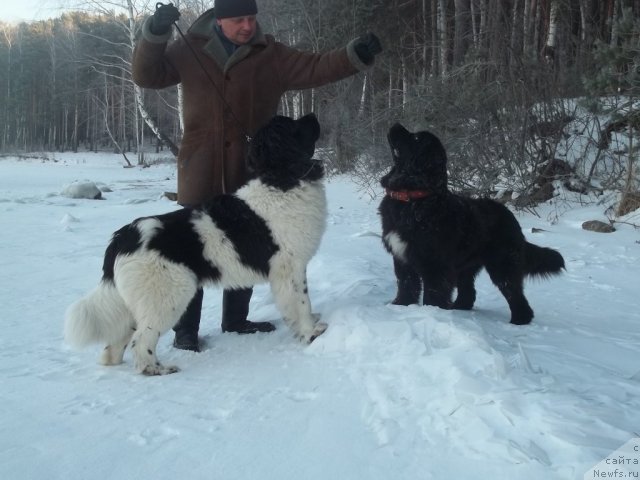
[{"x": 266, "y": 232}]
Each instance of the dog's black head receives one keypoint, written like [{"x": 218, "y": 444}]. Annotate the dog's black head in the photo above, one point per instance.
[
  {"x": 419, "y": 161},
  {"x": 281, "y": 152}
]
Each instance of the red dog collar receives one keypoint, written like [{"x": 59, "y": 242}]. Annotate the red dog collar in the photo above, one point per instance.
[{"x": 407, "y": 195}]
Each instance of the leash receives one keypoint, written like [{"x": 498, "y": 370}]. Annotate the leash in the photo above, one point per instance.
[{"x": 215, "y": 87}]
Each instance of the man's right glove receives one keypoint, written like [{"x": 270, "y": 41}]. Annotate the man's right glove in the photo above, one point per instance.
[
  {"x": 163, "y": 18},
  {"x": 367, "y": 47}
]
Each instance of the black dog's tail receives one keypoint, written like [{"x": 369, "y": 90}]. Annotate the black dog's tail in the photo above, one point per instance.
[{"x": 541, "y": 261}]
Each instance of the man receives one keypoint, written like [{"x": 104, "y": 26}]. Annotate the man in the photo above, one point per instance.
[{"x": 230, "y": 90}]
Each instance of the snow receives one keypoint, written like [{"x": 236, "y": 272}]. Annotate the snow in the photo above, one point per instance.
[{"x": 387, "y": 392}]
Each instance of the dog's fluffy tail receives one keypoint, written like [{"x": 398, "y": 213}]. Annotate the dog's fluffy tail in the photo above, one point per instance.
[
  {"x": 541, "y": 261},
  {"x": 100, "y": 316}
]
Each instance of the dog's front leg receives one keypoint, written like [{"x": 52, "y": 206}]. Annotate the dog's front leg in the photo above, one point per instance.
[
  {"x": 438, "y": 289},
  {"x": 289, "y": 287},
  {"x": 409, "y": 283}
]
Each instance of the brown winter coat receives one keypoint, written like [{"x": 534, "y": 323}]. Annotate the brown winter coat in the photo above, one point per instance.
[{"x": 212, "y": 152}]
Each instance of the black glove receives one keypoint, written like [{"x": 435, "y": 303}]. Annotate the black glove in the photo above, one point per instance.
[
  {"x": 367, "y": 46},
  {"x": 163, "y": 18}
]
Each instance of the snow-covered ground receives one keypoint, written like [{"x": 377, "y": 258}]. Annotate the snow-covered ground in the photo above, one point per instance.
[{"x": 386, "y": 393}]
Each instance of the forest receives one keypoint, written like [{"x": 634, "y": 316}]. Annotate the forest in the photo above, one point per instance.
[{"x": 497, "y": 80}]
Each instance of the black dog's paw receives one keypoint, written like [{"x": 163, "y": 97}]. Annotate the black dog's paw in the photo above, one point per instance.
[
  {"x": 522, "y": 314},
  {"x": 443, "y": 304},
  {"x": 406, "y": 296},
  {"x": 521, "y": 320},
  {"x": 397, "y": 301},
  {"x": 462, "y": 305}
]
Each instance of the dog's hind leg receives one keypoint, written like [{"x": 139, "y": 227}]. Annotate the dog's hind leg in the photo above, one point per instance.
[
  {"x": 157, "y": 293},
  {"x": 409, "y": 283},
  {"x": 113, "y": 353},
  {"x": 155, "y": 315},
  {"x": 509, "y": 279},
  {"x": 289, "y": 287},
  {"x": 143, "y": 346}
]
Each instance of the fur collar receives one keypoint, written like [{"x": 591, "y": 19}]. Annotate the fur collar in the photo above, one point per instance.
[{"x": 205, "y": 27}]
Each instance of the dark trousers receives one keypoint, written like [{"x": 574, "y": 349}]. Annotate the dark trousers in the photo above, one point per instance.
[{"x": 235, "y": 309}]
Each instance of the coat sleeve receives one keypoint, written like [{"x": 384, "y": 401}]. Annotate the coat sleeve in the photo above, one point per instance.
[
  {"x": 299, "y": 70},
  {"x": 151, "y": 66}
]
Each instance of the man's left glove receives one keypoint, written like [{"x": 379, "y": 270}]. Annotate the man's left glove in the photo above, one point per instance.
[
  {"x": 163, "y": 18},
  {"x": 367, "y": 46}
]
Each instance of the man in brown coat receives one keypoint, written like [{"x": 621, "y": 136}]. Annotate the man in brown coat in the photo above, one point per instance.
[{"x": 251, "y": 71}]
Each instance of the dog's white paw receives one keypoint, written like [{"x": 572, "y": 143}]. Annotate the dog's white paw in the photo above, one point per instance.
[
  {"x": 317, "y": 331},
  {"x": 158, "y": 369}
]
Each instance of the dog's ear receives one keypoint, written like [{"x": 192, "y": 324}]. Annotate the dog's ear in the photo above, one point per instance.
[
  {"x": 399, "y": 138},
  {"x": 397, "y": 133},
  {"x": 433, "y": 146},
  {"x": 308, "y": 132},
  {"x": 310, "y": 126},
  {"x": 268, "y": 143}
]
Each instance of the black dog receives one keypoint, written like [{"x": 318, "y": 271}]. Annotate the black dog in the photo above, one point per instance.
[{"x": 441, "y": 240}]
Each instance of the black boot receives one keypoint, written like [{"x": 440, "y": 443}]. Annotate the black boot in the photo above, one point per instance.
[
  {"x": 187, "y": 327},
  {"x": 235, "y": 308}
]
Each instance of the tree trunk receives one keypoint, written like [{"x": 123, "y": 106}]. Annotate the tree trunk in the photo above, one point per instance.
[
  {"x": 425, "y": 48},
  {"x": 461, "y": 19},
  {"x": 74, "y": 138},
  {"x": 139, "y": 97},
  {"x": 152, "y": 124},
  {"x": 444, "y": 36},
  {"x": 435, "y": 68},
  {"x": 537, "y": 22},
  {"x": 106, "y": 112},
  {"x": 526, "y": 27},
  {"x": 615, "y": 23},
  {"x": 516, "y": 32},
  {"x": 474, "y": 24},
  {"x": 552, "y": 34}
]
